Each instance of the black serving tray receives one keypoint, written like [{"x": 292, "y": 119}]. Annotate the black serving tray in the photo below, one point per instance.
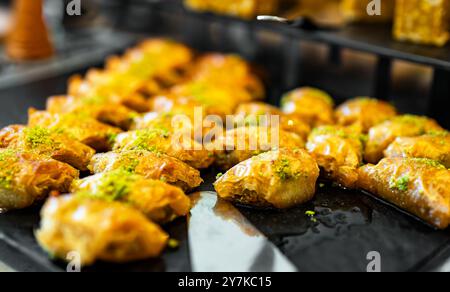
[{"x": 349, "y": 225}]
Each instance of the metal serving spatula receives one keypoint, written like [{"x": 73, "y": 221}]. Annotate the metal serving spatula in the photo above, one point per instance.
[
  {"x": 221, "y": 239},
  {"x": 316, "y": 22}
]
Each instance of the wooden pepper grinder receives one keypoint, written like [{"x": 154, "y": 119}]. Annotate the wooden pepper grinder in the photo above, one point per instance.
[{"x": 28, "y": 38}]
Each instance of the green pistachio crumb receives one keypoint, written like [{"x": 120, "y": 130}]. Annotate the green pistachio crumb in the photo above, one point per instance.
[
  {"x": 283, "y": 169},
  {"x": 173, "y": 243},
  {"x": 400, "y": 184},
  {"x": 38, "y": 136}
]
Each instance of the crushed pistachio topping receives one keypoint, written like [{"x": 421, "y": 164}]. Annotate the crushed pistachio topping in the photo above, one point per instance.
[
  {"x": 311, "y": 215},
  {"x": 400, "y": 184},
  {"x": 219, "y": 175},
  {"x": 416, "y": 121},
  {"x": 111, "y": 138},
  {"x": 438, "y": 133},
  {"x": 6, "y": 179},
  {"x": 173, "y": 243},
  {"x": 330, "y": 130},
  {"x": 429, "y": 162},
  {"x": 145, "y": 137},
  {"x": 7, "y": 155},
  {"x": 115, "y": 185},
  {"x": 284, "y": 171},
  {"x": 7, "y": 170},
  {"x": 95, "y": 100},
  {"x": 37, "y": 137},
  {"x": 130, "y": 165}
]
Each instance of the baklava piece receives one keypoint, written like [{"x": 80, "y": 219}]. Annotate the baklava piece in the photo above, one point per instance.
[
  {"x": 276, "y": 179},
  {"x": 151, "y": 165},
  {"x": 52, "y": 144},
  {"x": 143, "y": 71},
  {"x": 338, "y": 151},
  {"x": 434, "y": 146},
  {"x": 158, "y": 200},
  {"x": 246, "y": 9},
  {"x": 228, "y": 71},
  {"x": 161, "y": 141},
  {"x": 312, "y": 105},
  {"x": 84, "y": 129},
  {"x": 260, "y": 114},
  {"x": 419, "y": 186},
  {"x": 27, "y": 178},
  {"x": 98, "y": 230},
  {"x": 381, "y": 136},
  {"x": 422, "y": 21},
  {"x": 237, "y": 145},
  {"x": 364, "y": 112},
  {"x": 105, "y": 110}
]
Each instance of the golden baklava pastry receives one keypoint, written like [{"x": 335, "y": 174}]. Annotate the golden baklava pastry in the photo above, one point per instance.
[
  {"x": 148, "y": 61},
  {"x": 27, "y": 178},
  {"x": 158, "y": 200},
  {"x": 217, "y": 100},
  {"x": 338, "y": 151},
  {"x": 98, "y": 230},
  {"x": 280, "y": 179},
  {"x": 189, "y": 122},
  {"x": 136, "y": 75},
  {"x": 312, "y": 105},
  {"x": 151, "y": 165},
  {"x": 237, "y": 145},
  {"x": 162, "y": 141},
  {"x": 434, "y": 146},
  {"x": 170, "y": 103},
  {"x": 47, "y": 143},
  {"x": 103, "y": 109},
  {"x": 419, "y": 186},
  {"x": 381, "y": 136},
  {"x": 260, "y": 114},
  {"x": 246, "y": 9},
  {"x": 87, "y": 130},
  {"x": 111, "y": 87},
  {"x": 228, "y": 71},
  {"x": 364, "y": 112},
  {"x": 422, "y": 21}
]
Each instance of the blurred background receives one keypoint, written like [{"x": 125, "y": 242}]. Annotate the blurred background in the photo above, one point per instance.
[{"x": 401, "y": 56}]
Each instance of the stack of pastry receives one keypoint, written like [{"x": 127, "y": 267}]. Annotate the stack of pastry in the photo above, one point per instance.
[
  {"x": 28, "y": 38},
  {"x": 422, "y": 21},
  {"x": 247, "y": 9},
  {"x": 117, "y": 126}
]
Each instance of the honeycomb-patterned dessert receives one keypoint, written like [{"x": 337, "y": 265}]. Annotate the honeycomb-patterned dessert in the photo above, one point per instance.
[{"x": 422, "y": 21}]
